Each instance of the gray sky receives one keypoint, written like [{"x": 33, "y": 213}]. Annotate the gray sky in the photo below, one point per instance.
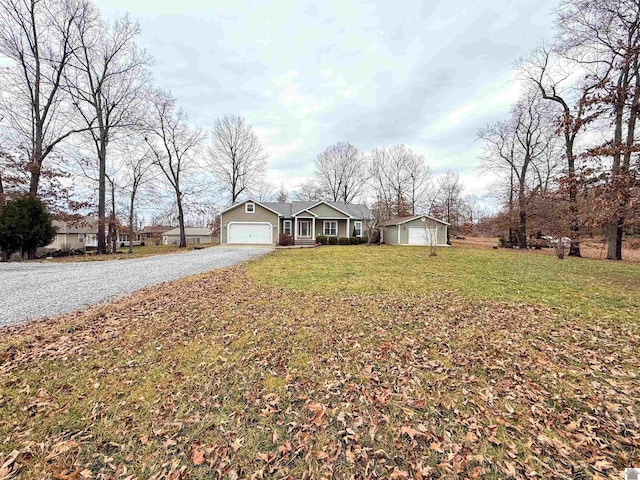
[{"x": 376, "y": 73}]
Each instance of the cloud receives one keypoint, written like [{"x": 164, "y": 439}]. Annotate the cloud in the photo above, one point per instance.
[{"x": 309, "y": 74}]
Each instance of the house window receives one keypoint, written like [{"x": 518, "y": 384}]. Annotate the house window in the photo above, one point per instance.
[
  {"x": 81, "y": 237},
  {"x": 330, "y": 228},
  {"x": 357, "y": 227},
  {"x": 249, "y": 207},
  {"x": 286, "y": 227}
]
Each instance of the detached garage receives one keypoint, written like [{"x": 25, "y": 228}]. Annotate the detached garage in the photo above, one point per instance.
[{"x": 418, "y": 230}]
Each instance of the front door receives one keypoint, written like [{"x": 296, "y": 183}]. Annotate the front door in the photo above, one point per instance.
[{"x": 304, "y": 229}]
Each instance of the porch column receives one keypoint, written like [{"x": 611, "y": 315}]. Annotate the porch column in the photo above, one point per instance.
[
  {"x": 313, "y": 229},
  {"x": 348, "y": 235},
  {"x": 295, "y": 228}
]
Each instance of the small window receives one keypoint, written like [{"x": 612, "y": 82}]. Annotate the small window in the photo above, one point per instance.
[
  {"x": 330, "y": 228},
  {"x": 81, "y": 237},
  {"x": 286, "y": 227},
  {"x": 249, "y": 207},
  {"x": 357, "y": 227}
]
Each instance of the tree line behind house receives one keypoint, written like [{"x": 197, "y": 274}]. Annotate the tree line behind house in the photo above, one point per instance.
[
  {"x": 84, "y": 129},
  {"x": 567, "y": 154}
]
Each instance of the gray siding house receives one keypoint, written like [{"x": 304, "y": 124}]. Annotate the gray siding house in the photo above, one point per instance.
[{"x": 252, "y": 222}]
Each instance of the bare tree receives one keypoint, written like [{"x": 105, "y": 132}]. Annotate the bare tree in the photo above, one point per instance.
[
  {"x": 108, "y": 83},
  {"x": 174, "y": 147},
  {"x": 515, "y": 147},
  {"x": 552, "y": 75},
  {"x": 449, "y": 203},
  {"x": 236, "y": 155},
  {"x": 308, "y": 191},
  {"x": 341, "y": 172},
  {"x": 40, "y": 38},
  {"x": 282, "y": 195},
  {"x": 262, "y": 191},
  {"x": 400, "y": 179},
  {"x": 138, "y": 165},
  {"x": 603, "y": 37}
]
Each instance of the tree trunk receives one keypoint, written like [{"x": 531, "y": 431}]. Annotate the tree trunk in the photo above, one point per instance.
[
  {"x": 183, "y": 236},
  {"x": 522, "y": 225},
  {"x": 574, "y": 221},
  {"x": 35, "y": 165},
  {"x": 102, "y": 194},
  {"x": 131, "y": 211}
]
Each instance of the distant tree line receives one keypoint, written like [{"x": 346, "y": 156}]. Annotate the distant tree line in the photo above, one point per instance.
[
  {"x": 83, "y": 129},
  {"x": 567, "y": 155}
]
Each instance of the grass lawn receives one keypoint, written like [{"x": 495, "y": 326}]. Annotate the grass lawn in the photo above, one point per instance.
[
  {"x": 337, "y": 362},
  {"x": 123, "y": 253}
]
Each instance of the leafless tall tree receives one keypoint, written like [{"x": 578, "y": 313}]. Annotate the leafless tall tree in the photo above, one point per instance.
[
  {"x": 137, "y": 163},
  {"x": 516, "y": 147},
  {"x": 341, "y": 172},
  {"x": 308, "y": 191},
  {"x": 174, "y": 147},
  {"x": 236, "y": 155},
  {"x": 551, "y": 74},
  {"x": 108, "y": 82},
  {"x": 400, "y": 179},
  {"x": 40, "y": 38},
  {"x": 603, "y": 36},
  {"x": 449, "y": 202}
]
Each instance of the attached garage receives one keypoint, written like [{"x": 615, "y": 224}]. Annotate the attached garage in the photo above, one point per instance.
[
  {"x": 418, "y": 230},
  {"x": 250, "y": 233}
]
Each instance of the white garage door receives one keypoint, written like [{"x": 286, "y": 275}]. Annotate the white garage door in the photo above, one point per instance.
[
  {"x": 255, "y": 233},
  {"x": 422, "y": 235}
]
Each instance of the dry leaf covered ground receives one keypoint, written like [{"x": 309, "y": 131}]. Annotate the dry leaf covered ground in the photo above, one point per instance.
[{"x": 343, "y": 362}]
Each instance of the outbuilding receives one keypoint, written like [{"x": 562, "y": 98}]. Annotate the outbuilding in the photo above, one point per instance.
[
  {"x": 415, "y": 230},
  {"x": 194, "y": 236}
]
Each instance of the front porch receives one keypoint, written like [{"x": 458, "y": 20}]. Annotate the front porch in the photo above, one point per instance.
[{"x": 305, "y": 228}]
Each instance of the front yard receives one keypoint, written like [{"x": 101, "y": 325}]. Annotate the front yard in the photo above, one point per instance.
[
  {"x": 123, "y": 253},
  {"x": 364, "y": 362}
]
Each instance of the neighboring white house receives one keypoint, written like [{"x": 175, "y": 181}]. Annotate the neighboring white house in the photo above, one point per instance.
[{"x": 195, "y": 235}]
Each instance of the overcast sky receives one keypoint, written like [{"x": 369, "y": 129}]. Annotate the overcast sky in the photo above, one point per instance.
[{"x": 424, "y": 73}]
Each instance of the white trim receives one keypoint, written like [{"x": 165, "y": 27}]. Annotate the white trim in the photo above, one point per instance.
[
  {"x": 361, "y": 226},
  {"x": 348, "y": 231},
  {"x": 415, "y": 217},
  {"x": 328, "y": 205},
  {"x": 251, "y": 223},
  {"x": 246, "y": 207},
  {"x": 324, "y": 228},
  {"x": 305, "y": 210},
  {"x": 309, "y": 221},
  {"x": 236, "y": 205},
  {"x": 295, "y": 228},
  {"x": 284, "y": 227}
]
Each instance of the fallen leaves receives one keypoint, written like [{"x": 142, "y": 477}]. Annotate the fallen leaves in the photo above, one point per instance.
[{"x": 252, "y": 382}]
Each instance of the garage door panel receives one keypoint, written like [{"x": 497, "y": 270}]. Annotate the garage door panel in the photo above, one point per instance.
[
  {"x": 422, "y": 235},
  {"x": 250, "y": 233}
]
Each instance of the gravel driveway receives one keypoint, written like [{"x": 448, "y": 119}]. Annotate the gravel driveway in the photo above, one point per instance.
[{"x": 34, "y": 290}]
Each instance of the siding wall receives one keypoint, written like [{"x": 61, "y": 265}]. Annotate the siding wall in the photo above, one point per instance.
[
  {"x": 238, "y": 215},
  {"x": 342, "y": 227},
  {"x": 324, "y": 210},
  {"x": 391, "y": 235},
  {"x": 191, "y": 239},
  {"x": 404, "y": 230}
]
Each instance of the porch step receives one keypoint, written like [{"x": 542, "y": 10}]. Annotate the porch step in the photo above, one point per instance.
[{"x": 305, "y": 241}]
